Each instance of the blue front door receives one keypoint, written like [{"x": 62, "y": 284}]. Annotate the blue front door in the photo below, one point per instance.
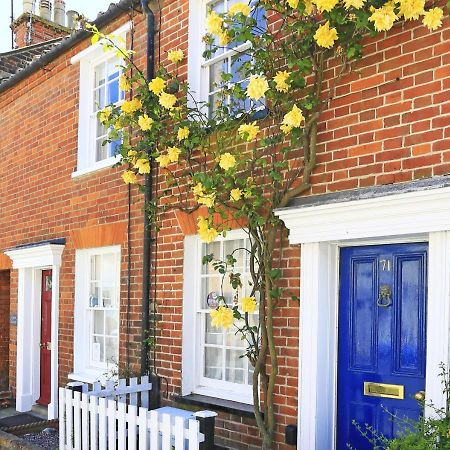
[{"x": 382, "y": 318}]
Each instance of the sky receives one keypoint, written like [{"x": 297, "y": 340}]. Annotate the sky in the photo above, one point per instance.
[{"x": 89, "y": 8}]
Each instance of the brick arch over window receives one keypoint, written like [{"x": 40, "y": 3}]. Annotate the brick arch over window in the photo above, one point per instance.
[{"x": 99, "y": 236}]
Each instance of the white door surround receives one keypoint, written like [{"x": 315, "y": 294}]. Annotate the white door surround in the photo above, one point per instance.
[
  {"x": 321, "y": 229},
  {"x": 30, "y": 261}
]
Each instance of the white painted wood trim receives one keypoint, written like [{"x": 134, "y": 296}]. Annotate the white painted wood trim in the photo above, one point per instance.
[
  {"x": 322, "y": 230},
  {"x": 391, "y": 215},
  {"x": 31, "y": 261}
]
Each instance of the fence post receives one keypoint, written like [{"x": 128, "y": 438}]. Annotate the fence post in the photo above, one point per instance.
[{"x": 207, "y": 421}]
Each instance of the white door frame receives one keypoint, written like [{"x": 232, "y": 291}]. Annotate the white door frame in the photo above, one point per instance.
[
  {"x": 322, "y": 230},
  {"x": 30, "y": 262}
]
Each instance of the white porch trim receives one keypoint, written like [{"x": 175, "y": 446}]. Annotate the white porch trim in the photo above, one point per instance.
[
  {"x": 322, "y": 230},
  {"x": 30, "y": 261}
]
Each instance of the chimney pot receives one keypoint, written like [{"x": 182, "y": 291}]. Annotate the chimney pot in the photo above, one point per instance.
[
  {"x": 60, "y": 12},
  {"x": 72, "y": 19},
  {"x": 28, "y": 6},
  {"x": 45, "y": 9}
]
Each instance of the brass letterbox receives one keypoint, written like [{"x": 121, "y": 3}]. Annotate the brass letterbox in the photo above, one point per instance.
[{"x": 384, "y": 390}]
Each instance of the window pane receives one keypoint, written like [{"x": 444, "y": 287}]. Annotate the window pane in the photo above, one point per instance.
[
  {"x": 108, "y": 279},
  {"x": 213, "y": 335},
  {"x": 113, "y": 91},
  {"x": 208, "y": 249},
  {"x": 210, "y": 285},
  {"x": 215, "y": 74},
  {"x": 98, "y": 349},
  {"x": 99, "y": 99},
  {"x": 101, "y": 151},
  {"x": 214, "y": 101},
  {"x": 213, "y": 363},
  {"x": 99, "y": 322},
  {"x": 101, "y": 129},
  {"x": 233, "y": 339},
  {"x": 111, "y": 323},
  {"x": 235, "y": 248},
  {"x": 250, "y": 374},
  {"x": 112, "y": 350},
  {"x": 239, "y": 63},
  {"x": 94, "y": 295},
  {"x": 113, "y": 147},
  {"x": 99, "y": 75},
  {"x": 95, "y": 265},
  {"x": 235, "y": 367}
]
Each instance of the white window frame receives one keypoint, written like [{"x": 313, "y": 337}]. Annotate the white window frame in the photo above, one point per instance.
[
  {"x": 88, "y": 60},
  {"x": 198, "y": 66},
  {"x": 83, "y": 370},
  {"x": 193, "y": 381}
]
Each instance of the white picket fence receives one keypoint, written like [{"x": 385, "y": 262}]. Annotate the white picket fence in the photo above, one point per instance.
[{"x": 117, "y": 418}]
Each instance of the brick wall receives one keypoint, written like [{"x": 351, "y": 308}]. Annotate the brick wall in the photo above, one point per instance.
[
  {"x": 4, "y": 329},
  {"x": 389, "y": 122}
]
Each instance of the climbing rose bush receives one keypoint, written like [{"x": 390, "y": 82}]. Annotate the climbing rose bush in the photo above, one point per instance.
[{"x": 252, "y": 148}]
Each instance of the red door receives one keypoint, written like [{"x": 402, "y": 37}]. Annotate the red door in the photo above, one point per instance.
[{"x": 46, "y": 336}]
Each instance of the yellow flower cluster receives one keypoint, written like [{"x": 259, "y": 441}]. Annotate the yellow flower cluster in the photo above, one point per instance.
[
  {"x": 175, "y": 56},
  {"x": 131, "y": 106},
  {"x": 163, "y": 161},
  {"x": 248, "y": 304},
  {"x": 411, "y": 9},
  {"x": 325, "y": 36},
  {"x": 293, "y": 3},
  {"x": 183, "y": 133},
  {"x": 235, "y": 194},
  {"x": 224, "y": 38},
  {"x": 222, "y": 317},
  {"x": 282, "y": 85},
  {"x": 248, "y": 131},
  {"x": 173, "y": 153},
  {"x": 257, "y": 87},
  {"x": 167, "y": 100},
  {"x": 292, "y": 119},
  {"x": 124, "y": 84},
  {"x": 432, "y": 19},
  {"x": 129, "y": 177},
  {"x": 383, "y": 18},
  {"x": 105, "y": 114},
  {"x": 227, "y": 161},
  {"x": 357, "y": 4},
  {"x": 214, "y": 23},
  {"x": 145, "y": 122},
  {"x": 157, "y": 85},
  {"x": 142, "y": 165},
  {"x": 201, "y": 197},
  {"x": 237, "y": 8},
  {"x": 206, "y": 233},
  {"x": 325, "y": 5}
]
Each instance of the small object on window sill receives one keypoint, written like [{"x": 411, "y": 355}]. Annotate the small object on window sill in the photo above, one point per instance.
[{"x": 215, "y": 404}]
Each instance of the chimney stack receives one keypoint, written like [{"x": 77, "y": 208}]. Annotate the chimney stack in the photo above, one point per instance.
[
  {"x": 28, "y": 6},
  {"x": 72, "y": 19},
  {"x": 60, "y": 12},
  {"x": 45, "y": 9}
]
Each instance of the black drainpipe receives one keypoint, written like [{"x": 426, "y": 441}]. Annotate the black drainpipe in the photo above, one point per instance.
[{"x": 155, "y": 401}]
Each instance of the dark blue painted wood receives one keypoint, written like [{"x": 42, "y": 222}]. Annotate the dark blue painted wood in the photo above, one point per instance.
[{"x": 380, "y": 344}]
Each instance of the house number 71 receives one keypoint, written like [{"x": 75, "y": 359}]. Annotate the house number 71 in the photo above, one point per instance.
[{"x": 385, "y": 264}]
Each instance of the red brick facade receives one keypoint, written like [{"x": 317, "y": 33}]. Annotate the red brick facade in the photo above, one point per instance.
[{"x": 389, "y": 122}]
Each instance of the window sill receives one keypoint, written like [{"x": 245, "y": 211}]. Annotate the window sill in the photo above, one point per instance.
[
  {"x": 90, "y": 376},
  {"x": 106, "y": 163},
  {"x": 240, "y": 409}
]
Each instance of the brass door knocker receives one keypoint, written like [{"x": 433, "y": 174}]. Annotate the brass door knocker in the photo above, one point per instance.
[{"x": 385, "y": 296}]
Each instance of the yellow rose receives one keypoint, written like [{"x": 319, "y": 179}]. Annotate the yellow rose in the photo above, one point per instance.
[
  {"x": 124, "y": 84},
  {"x": 235, "y": 194},
  {"x": 129, "y": 177},
  {"x": 163, "y": 161},
  {"x": 105, "y": 114},
  {"x": 325, "y": 36},
  {"x": 183, "y": 133},
  {"x": 202, "y": 222},
  {"x": 157, "y": 85},
  {"x": 131, "y": 106},
  {"x": 286, "y": 129},
  {"x": 224, "y": 38},
  {"x": 142, "y": 165},
  {"x": 281, "y": 81},
  {"x": 237, "y": 8},
  {"x": 175, "y": 56},
  {"x": 214, "y": 23},
  {"x": 257, "y": 87},
  {"x": 227, "y": 161},
  {"x": 293, "y": 119},
  {"x": 145, "y": 122},
  {"x": 325, "y": 5},
  {"x": 308, "y": 7},
  {"x": 222, "y": 317},
  {"x": 248, "y": 304},
  {"x": 248, "y": 131},
  {"x": 167, "y": 100},
  {"x": 293, "y": 3},
  {"x": 206, "y": 233},
  {"x": 383, "y": 18},
  {"x": 432, "y": 18},
  {"x": 173, "y": 153},
  {"x": 357, "y": 4},
  {"x": 411, "y": 9}
]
